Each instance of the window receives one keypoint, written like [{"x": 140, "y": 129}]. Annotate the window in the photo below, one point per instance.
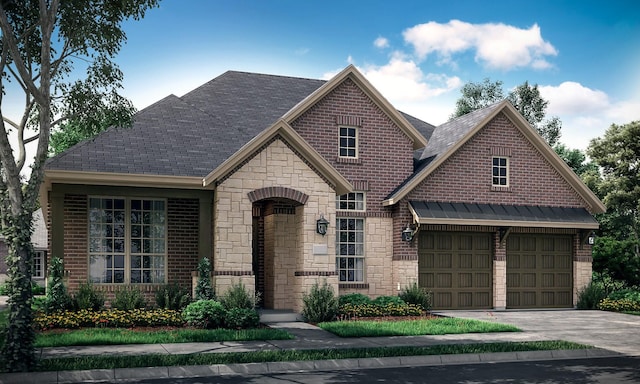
[
  {"x": 350, "y": 202},
  {"x": 38, "y": 264},
  {"x": 127, "y": 240},
  {"x": 350, "y": 249},
  {"x": 500, "y": 172},
  {"x": 348, "y": 142}
]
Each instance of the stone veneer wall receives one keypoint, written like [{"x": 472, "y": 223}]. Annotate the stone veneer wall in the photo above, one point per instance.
[
  {"x": 582, "y": 266},
  {"x": 276, "y": 165}
]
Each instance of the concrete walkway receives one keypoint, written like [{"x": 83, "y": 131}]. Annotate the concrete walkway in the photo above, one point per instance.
[{"x": 611, "y": 333}]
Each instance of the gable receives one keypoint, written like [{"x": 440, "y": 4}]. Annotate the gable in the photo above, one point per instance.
[{"x": 465, "y": 176}]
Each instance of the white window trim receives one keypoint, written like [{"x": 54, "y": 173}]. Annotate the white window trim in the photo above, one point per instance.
[
  {"x": 357, "y": 146},
  {"x": 364, "y": 202},
  {"x": 42, "y": 255},
  {"x": 127, "y": 238},
  {"x": 361, "y": 257},
  {"x": 508, "y": 173}
]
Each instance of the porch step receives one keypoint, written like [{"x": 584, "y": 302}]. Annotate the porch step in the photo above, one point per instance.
[{"x": 278, "y": 316}]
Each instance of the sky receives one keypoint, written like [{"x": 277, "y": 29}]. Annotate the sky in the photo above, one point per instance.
[{"x": 584, "y": 55}]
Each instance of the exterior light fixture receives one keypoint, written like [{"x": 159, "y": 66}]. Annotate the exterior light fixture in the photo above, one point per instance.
[
  {"x": 407, "y": 233},
  {"x": 592, "y": 238},
  {"x": 321, "y": 225}
]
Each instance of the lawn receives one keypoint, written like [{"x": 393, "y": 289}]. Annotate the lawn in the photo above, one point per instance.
[
  {"x": 111, "y": 362},
  {"x": 435, "y": 326}
]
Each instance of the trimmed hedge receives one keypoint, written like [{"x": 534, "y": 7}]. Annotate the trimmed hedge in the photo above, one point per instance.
[
  {"x": 349, "y": 311},
  {"x": 112, "y": 318}
]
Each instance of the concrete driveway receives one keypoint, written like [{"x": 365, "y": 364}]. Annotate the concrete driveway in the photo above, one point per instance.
[{"x": 608, "y": 330}]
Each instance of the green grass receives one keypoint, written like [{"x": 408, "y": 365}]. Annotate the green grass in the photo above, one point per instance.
[
  {"x": 111, "y": 362},
  {"x": 438, "y": 326},
  {"x": 635, "y": 313},
  {"x": 114, "y": 336}
]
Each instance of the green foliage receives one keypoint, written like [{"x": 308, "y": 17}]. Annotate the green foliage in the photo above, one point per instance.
[
  {"x": 128, "y": 299},
  {"x": 240, "y": 318},
  {"x": 354, "y": 299},
  {"x": 110, "y": 318},
  {"x": 237, "y": 296},
  {"x": 617, "y": 258},
  {"x": 206, "y": 314},
  {"x": 413, "y": 294},
  {"x": 204, "y": 289},
  {"x": 351, "y": 311},
  {"x": 591, "y": 295},
  {"x": 525, "y": 98},
  {"x": 35, "y": 289},
  {"x": 320, "y": 304},
  {"x": 477, "y": 96},
  {"x": 382, "y": 301},
  {"x": 58, "y": 299},
  {"x": 626, "y": 294},
  {"x": 620, "y": 305},
  {"x": 88, "y": 297},
  {"x": 172, "y": 296},
  {"x": 576, "y": 160}
]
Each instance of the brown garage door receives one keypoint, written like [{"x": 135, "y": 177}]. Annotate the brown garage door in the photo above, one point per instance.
[
  {"x": 539, "y": 271},
  {"x": 457, "y": 269}
]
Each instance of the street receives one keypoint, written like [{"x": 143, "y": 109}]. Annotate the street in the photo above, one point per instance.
[{"x": 600, "y": 370}]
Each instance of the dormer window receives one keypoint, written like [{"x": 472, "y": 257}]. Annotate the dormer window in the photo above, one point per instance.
[
  {"x": 500, "y": 172},
  {"x": 348, "y": 142}
]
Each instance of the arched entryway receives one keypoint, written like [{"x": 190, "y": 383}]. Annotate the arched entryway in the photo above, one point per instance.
[{"x": 277, "y": 224}]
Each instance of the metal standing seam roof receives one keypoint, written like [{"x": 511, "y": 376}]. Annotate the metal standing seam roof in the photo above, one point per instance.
[{"x": 434, "y": 212}]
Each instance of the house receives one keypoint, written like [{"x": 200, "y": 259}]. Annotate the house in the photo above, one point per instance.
[
  {"x": 284, "y": 182},
  {"x": 39, "y": 239}
]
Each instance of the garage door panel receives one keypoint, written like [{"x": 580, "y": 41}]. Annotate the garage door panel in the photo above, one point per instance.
[
  {"x": 539, "y": 271},
  {"x": 460, "y": 275}
]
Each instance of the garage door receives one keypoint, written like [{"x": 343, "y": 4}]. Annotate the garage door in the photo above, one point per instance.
[
  {"x": 539, "y": 271},
  {"x": 457, "y": 269}
]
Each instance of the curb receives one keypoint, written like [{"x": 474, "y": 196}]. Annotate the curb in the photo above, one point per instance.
[{"x": 176, "y": 372}]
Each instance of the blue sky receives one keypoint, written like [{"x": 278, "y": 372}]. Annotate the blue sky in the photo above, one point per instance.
[{"x": 585, "y": 55}]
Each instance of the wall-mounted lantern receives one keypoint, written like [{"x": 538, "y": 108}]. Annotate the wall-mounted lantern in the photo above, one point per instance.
[
  {"x": 591, "y": 239},
  {"x": 407, "y": 233},
  {"x": 321, "y": 225}
]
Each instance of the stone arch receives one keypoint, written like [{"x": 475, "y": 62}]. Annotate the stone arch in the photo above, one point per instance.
[{"x": 278, "y": 192}]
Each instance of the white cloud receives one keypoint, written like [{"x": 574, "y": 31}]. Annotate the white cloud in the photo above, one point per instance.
[
  {"x": 302, "y": 51},
  {"x": 497, "y": 46},
  {"x": 381, "y": 42},
  {"x": 573, "y": 98}
]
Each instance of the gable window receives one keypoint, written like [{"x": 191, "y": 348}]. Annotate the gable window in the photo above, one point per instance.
[
  {"x": 127, "y": 240},
  {"x": 348, "y": 142},
  {"x": 500, "y": 172},
  {"x": 350, "y": 249},
  {"x": 353, "y": 201}
]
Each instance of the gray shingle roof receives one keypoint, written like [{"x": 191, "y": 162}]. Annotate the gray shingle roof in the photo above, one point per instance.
[{"x": 193, "y": 134}]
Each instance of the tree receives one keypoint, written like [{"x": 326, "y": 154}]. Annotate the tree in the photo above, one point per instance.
[
  {"x": 576, "y": 160},
  {"x": 478, "y": 95},
  {"x": 525, "y": 98},
  {"x": 528, "y": 101},
  {"x": 618, "y": 155},
  {"x": 42, "y": 42}
]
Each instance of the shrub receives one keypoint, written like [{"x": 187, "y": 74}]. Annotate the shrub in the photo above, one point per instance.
[
  {"x": 413, "y": 294},
  {"x": 590, "y": 296},
  {"x": 111, "y": 318},
  {"x": 354, "y": 299},
  {"x": 350, "y": 311},
  {"x": 172, "y": 296},
  {"x": 58, "y": 299},
  {"x": 205, "y": 314},
  {"x": 128, "y": 298},
  {"x": 627, "y": 293},
  {"x": 88, "y": 297},
  {"x": 620, "y": 305},
  {"x": 320, "y": 304},
  {"x": 204, "y": 289},
  {"x": 385, "y": 300},
  {"x": 240, "y": 318},
  {"x": 237, "y": 296}
]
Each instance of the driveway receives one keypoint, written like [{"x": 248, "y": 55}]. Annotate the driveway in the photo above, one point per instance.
[{"x": 609, "y": 330}]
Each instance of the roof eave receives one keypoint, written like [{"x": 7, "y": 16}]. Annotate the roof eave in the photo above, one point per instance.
[
  {"x": 281, "y": 127},
  {"x": 507, "y": 223}
]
